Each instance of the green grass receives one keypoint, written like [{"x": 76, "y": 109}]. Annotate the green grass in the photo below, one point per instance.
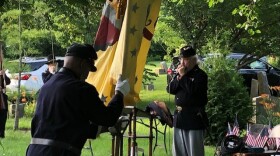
[{"x": 16, "y": 142}]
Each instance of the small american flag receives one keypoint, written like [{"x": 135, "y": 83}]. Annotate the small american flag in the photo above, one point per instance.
[
  {"x": 249, "y": 139},
  {"x": 229, "y": 131},
  {"x": 262, "y": 138},
  {"x": 278, "y": 144},
  {"x": 270, "y": 141},
  {"x": 235, "y": 127}
]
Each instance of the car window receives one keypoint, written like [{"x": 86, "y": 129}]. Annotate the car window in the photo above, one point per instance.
[
  {"x": 257, "y": 65},
  {"x": 32, "y": 66}
]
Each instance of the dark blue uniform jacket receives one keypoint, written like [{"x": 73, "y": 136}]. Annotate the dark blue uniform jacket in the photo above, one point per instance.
[
  {"x": 65, "y": 108},
  {"x": 190, "y": 94},
  {"x": 46, "y": 75}
]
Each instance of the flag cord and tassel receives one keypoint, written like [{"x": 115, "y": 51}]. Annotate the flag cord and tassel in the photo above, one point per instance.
[{"x": 121, "y": 8}]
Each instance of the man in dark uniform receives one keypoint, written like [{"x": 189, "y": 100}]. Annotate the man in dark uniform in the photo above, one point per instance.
[
  {"x": 190, "y": 119},
  {"x": 69, "y": 110},
  {"x": 51, "y": 70},
  {"x": 4, "y": 103}
]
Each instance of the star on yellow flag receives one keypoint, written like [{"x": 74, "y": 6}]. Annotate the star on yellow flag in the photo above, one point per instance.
[{"x": 122, "y": 46}]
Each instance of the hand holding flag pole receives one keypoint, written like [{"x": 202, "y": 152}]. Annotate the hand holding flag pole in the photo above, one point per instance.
[{"x": 122, "y": 86}]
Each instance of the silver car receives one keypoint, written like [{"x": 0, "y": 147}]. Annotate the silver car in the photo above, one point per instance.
[{"x": 31, "y": 80}]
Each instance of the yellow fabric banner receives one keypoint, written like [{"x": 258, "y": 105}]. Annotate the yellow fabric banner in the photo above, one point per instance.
[{"x": 127, "y": 54}]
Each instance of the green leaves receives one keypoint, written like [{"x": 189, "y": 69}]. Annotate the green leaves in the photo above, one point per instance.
[
  {"x": 46, "y": 23},
  {"x": 149, "y": 75},
  {"x": 227, "y": 96},
  {"x": 199, "y": 22},
  {"x": 207, "y": 25},
  {"x": 212, "y": 3}
]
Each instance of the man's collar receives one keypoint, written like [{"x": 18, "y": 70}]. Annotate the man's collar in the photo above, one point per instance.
[{"x": 67, "y": 70}]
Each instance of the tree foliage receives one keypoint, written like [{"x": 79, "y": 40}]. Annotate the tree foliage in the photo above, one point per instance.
[
  {"x": 249, "y": 26},
  {"x": 227, "y": 97},
  {"x": 43, "y": 25},
  {"x": 165, "y": 35},
  {"x": 244, "y": 26}
]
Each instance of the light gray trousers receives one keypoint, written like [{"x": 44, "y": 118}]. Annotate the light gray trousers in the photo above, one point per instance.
[{"x": 188, "y": 142}]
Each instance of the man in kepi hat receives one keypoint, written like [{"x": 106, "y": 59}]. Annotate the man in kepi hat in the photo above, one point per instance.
[
  {"x": 69, "y": 110},
  {"x": 190, "y": 119},
  {"x": 51, "y": 70}
]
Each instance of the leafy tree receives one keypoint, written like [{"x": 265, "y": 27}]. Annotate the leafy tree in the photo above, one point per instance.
[
  {"x": 74, "y": 23},
  {"x": 157, "y": 50},
  {"x": 166, "y": 36},
  {"x": 187, "y": 19},
  {"x": 47, "y": 24},
  {"x": 31, "y": 27},
  {"x": 148, "y": 75},
  {"x": 246, "y": 24}
]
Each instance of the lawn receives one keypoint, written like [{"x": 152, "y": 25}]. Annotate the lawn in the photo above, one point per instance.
[{"x": 16, "y": 142}]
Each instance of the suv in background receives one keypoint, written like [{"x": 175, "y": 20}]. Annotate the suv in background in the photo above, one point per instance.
[
  {"x": 249, "y": 71},
  {"x": 31, "y": 80}
]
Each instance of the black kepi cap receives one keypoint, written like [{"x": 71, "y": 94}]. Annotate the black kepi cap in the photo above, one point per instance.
[
  {"x": 51, "y": 59},
  {"x": 84, "y": 51},
  {"x": 187, "y": 51}
]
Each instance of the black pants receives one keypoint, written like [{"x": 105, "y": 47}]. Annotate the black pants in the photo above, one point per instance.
[{"x": 3, "y": 117}]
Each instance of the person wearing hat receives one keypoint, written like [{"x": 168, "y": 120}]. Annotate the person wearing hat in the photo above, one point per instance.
[
  {"x": 5, "y": 80},
  {"x": 69, "y": 110},
  {"x": 190, "y": 121},
  {"x": 51, "y": 70}
]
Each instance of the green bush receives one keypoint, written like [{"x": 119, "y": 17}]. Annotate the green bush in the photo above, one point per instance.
[
  {"x": 227, "y": 96},
  {"x": 29, "y": 109},
  {"x": 13, "y": 66},
  {"x": 149, "y": 75},
  {"x": 25, "y": 96},
  {"x": 154, "y": 58},
  {"x": 28, "y": 98},
  {"x": 274, "y": 60}
]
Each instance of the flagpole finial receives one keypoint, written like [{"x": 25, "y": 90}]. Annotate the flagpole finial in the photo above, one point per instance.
[{"x": 229, "y": 129}]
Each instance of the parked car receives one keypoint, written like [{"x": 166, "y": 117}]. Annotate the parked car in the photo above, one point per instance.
[
  {"x": 31, "y": 80},
  {"x": 249, "y": 71}
]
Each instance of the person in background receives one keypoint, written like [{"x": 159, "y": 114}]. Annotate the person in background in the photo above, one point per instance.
[
  {"x": 69, "y": 110},
  {"x": 5, "y": 80},
  {"x": 52, "y": 68},
  {"x": 175, "y": 62},
  {"x": 190, "y": 121}
]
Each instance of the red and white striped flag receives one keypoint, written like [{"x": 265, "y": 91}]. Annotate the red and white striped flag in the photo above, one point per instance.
[
  {"x": 235, "y": 130},
  {"x": 271, "y": 142},
  {"x": 262, "y": 138},
  {"x": 249, "y": 139},
  {"x": 277, "y": 144}
]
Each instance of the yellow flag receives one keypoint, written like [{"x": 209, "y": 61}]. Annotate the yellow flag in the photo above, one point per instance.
[{"x": 124, "y": 50}]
